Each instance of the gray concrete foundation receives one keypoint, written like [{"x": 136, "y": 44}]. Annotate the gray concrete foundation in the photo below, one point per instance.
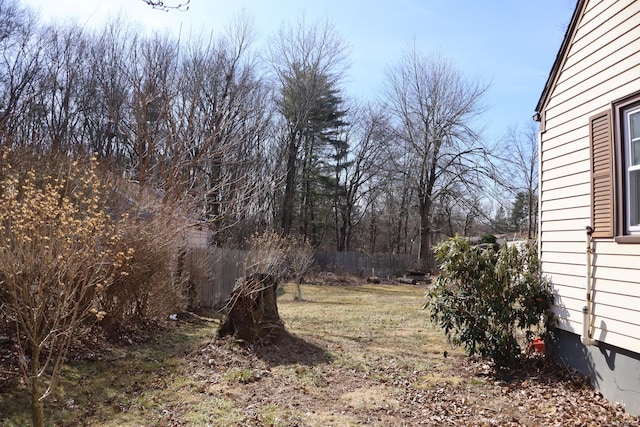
[{"x": 614, "y": 371}]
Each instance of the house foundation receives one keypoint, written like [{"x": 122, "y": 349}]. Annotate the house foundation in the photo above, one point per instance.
[{"x": 613, "y": 371}]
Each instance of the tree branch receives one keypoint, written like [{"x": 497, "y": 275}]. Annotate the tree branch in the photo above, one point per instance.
[{"x": 160, "y": 4}]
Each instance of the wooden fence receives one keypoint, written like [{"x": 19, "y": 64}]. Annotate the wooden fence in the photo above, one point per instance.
[
  {"x": 362, "y": 264},
  {"x": 213, "y": 271}
]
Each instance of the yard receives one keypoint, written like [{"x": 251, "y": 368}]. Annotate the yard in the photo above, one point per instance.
[{"x": 354, "y": 355}]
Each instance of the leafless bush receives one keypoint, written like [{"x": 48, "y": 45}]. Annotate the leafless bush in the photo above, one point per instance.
[
  {"x": 267, "y": 254},
  {"x": 299, "y": 260},
  {"x": 150, "y": 284},
  {"x": 279, "y": 256},
  {"x": 59, "y": 250}
]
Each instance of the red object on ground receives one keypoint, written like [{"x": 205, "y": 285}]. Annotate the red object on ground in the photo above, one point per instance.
[{"x": 537, "y": 345}]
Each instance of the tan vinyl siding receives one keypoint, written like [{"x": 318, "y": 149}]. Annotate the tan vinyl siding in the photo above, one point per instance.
[
  {"x": 566, "y": 203},
  {"x": 565, "y": 236},
  {"x": 575, "y": 183},
  {"x": 571, "y": 224},
  {"x": 617, "y": 259},
  {"x": 570, "y": 275},
  {"x": 575, "y": 246},
  {"x": 576, "y": 279},
  {"x": 619, "y": 288},
  {"x": 568, "y": 169},
  {"x": 601, "y": 65},
  {"x": 564, "y": 135},
  {"x": 585, "y": 62},
  {"x": 565, "y": 214},
  {"x": 609, "y": 247},
  {"x": 567, "y": 258},
  {"x": 567, "y": 153},
  {"x": 569, "y": 321},
  {"x": 556, "y": 190},
  {"x": 609, "y": 306},
  {"x": 621, "y": 340}
]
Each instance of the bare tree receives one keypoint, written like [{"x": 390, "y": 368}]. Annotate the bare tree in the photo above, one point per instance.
[
  {"x": 434, "y": 106},
  {"x": 150, "y": 75},
  {"x": 459, "y": 210},
  {"x": 60, "y": 84},
  {"x": 104, "y": 93},
  {"x": 358, "y": 174},
  {"x": 20, "y": 67},
  {"x": 518, "y": 170},
  {"x": 397, "y": 201},
  {"x": 220, "y": 129}
]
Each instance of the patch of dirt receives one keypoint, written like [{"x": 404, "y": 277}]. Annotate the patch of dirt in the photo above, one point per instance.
[
  {"x": 9, "y": 369},
  {"x": 541, "y": 394},
  {"x": 371, "y": 397}
]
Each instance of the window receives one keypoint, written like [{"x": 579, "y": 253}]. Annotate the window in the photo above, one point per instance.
[
  {"x": 615, "y": 171},
  {"x": 631, "y": 151},
  {"x": 626, "y": 141}
]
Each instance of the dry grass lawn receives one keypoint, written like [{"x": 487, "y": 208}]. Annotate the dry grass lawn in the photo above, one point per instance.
[{"x": 354, "y": 355}]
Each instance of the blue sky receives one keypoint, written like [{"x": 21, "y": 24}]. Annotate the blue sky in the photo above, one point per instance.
[{"x": 510, "y": 44}]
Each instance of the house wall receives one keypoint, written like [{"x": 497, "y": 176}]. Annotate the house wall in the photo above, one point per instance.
[{"x": 602, "y": 64}]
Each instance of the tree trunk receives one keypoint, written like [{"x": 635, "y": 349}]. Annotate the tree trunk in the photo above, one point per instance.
[
  {"x": 342, "y": 233},
  {"x": 426, "y": 254},
  {"x": 37, "y": 407},
  {"x": 253, "y": 312},
  {"x": 37, "y": 412},
  {"x": 289, "y": 190},
  {"x": 530, "y": 223},
  {"x": 373, "y": 231}
]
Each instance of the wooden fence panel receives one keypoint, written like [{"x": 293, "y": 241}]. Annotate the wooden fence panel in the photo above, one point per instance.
[
  {"x": 213, "y": 271},
  {"x": 362, "y": 264}
]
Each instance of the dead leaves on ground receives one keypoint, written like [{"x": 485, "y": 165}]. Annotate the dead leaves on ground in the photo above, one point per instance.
[{"x": 392, "y": 393}]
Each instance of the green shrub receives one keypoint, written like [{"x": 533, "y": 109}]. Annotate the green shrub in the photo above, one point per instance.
[{"x": 486, "y": 299}]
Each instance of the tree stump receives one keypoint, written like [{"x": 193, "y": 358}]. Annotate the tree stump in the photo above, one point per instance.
[{"x": 252, "y": 310}]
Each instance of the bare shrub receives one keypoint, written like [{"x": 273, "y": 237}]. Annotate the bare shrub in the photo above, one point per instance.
[
  {"x": 299, "y": 260},
  {"x": 267, "y": 254},
  {"x": 150, "y": 284},
  {"x": 283, "y": 257},
  {"x": 59, "y": 250}
]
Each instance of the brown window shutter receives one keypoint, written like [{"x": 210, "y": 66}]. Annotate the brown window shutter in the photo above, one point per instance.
[{"x": 601, "y": 174}]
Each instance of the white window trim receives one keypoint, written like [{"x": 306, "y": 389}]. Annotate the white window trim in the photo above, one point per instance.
[{"x": 628, "y": 147}]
